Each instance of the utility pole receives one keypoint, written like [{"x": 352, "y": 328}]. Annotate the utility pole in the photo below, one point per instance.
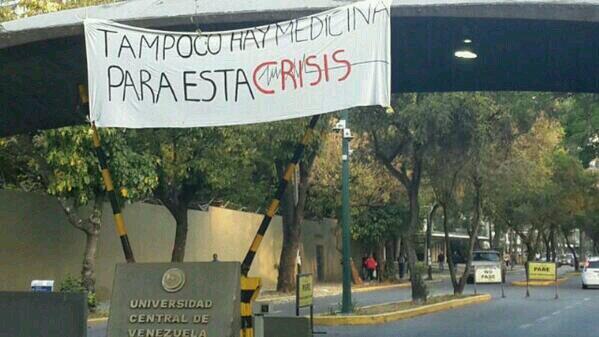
[{"x": 346, "y": 305}]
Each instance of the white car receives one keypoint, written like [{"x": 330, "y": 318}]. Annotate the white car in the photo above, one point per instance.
[{"x": 590, "y": 273}]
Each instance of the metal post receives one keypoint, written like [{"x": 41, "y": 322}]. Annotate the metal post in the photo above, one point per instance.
[
  {"x": 297, "y": 294},
  {"x": 474, "y": 280},
  {"x": 346, "y": 306},
  {"x": 556, "y": 293},
  {"x": 312, "y": 319},
  {"x": 527, "y": 280}
]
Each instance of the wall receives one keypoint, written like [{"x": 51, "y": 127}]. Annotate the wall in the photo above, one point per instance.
[{"x": 37, "y": 242}]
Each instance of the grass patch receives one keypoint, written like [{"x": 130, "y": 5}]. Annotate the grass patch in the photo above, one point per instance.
[
  {"x": 97, "y": 314},
  {"x": 398, "y": 306}
]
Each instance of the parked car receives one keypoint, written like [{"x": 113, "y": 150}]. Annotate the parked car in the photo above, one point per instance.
[
  {"x": 487, "y": 258},
  {"x": 590, "y": 273},
  {"x": 566, "y": 260}
]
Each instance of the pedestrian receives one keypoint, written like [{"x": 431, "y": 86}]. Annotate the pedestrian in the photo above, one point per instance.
[
  {"x": 371, "y": 265},
  {"x": 364, "y": 269},
  {"x": 214, "y": 257},
  {"x": 441, "y": 260},
  {"x": 513, "y": 261},
  {"x": 402, "y": 266}
]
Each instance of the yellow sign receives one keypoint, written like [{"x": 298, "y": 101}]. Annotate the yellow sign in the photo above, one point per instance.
[
  {"x": 542, "y": 271},
  {"x": 304, "y": 290}
]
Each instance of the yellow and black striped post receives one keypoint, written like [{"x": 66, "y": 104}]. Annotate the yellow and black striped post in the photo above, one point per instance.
[
  {"x": 250, "y": 287},
  {"x": 119, "y": 221},
  {"x": 274, "y": 204},
  {"x": 248, "y": 295}
]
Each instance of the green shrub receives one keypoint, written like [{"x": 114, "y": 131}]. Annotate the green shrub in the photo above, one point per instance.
[
  {"x": 73, "y": 284},
  {"x": 390, "y": 270}
]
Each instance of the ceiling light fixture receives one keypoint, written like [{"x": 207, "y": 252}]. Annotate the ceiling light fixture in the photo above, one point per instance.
[{"x": 465, "y": 54}]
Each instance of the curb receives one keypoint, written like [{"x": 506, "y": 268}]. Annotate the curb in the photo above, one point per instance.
[
  {"x": 399, "y": 315},
  {"x": 97, "y": 320},
  {"x": 539, "y": 283}
]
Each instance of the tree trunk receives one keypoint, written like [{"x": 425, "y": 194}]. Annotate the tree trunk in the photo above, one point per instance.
[
  {"x": 496, "y": 238},
  {"x": 449, "y": 251},
  {"x": 553, "y": 241},
  {"x": 547, "y": 248},
  {"x": 419, "y": 291},
  {"x": 91, "y": 228},
  {"x": 473, "y": 237},
  {"x": 88, "y": 269},
  {"x": 176, "y": 200},
  {"x": 181, "y": 219},
  {"x": 572, "y": 250},
  {"x": 428, "y": 242},
  {"x": 291, "y": 238},
  {"x": 293, "y": 216}
]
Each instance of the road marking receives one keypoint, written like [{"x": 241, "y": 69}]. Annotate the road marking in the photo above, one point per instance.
[
  {"x": 569, "y": 307},
  {"x": 525, "y": 326},
  {"x": 555, "y": 313},
  {"x": 544, "y": 318},
  {"x": 587, "y": 299}
]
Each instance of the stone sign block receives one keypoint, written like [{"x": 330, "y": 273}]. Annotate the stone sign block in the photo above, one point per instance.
[
  {"x": 198, "y": 299},
  {"x": 29, "y": 314},
  {"x": 277, "y": 326}
]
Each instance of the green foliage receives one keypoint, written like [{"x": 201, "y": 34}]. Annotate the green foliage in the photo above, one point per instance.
[
  {"x": 73, "y": 284},
  {"x": 374, "y": 225},
  {"x": 75, "y": 173},
  {"x": 579, "y": 115},
  {"x": 390, "y": 271}
]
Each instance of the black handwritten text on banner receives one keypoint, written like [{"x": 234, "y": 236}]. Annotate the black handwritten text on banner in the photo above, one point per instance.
[{"x": 326, "y": 62}]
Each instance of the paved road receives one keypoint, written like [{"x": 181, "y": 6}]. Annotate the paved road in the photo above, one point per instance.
[{"x": 572, "y": 315}]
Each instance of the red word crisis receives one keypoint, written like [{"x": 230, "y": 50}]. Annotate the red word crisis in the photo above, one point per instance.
[{"x": 313, "y": 70}]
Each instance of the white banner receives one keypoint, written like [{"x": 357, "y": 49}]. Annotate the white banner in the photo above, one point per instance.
[{"x": 330, "y": 61}]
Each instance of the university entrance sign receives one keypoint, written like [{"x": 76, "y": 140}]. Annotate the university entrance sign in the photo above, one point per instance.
[
  {"x": 198, "y": 299},
  {"x": 326, "y": 62}
]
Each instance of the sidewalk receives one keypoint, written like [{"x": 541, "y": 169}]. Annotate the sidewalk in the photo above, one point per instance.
[{"x": 333, "y": 289}]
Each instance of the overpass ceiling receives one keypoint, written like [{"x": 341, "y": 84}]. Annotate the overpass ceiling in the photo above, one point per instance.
[{"x": 521, "y": 45}]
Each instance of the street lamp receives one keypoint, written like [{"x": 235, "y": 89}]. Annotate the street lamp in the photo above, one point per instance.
[{"x": 341, "y": 126}]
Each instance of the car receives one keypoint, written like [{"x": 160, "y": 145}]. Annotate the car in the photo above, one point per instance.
[
  {"x": 590, "y": 273},
  {"x": 566, "y": 260},
  {"x": 487, "y": 258}
]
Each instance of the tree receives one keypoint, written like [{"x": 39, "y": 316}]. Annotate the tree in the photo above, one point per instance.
[
  {"x": 516, "y": 194},
  {"x": 372, "y": 191},
  {"x": 580, "y": 117},
  {"x": 193, "y": 165},
  {"x": 62, "y": 163},
  {"x": 275, "y": 144},
  {"x": 569, "y": 198},
  {"x": 458, "y": 163},
  {"x": 401, "y": 141}
]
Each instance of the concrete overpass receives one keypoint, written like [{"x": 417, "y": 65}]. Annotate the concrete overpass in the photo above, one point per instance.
[{"x": 550, "y": 45}]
